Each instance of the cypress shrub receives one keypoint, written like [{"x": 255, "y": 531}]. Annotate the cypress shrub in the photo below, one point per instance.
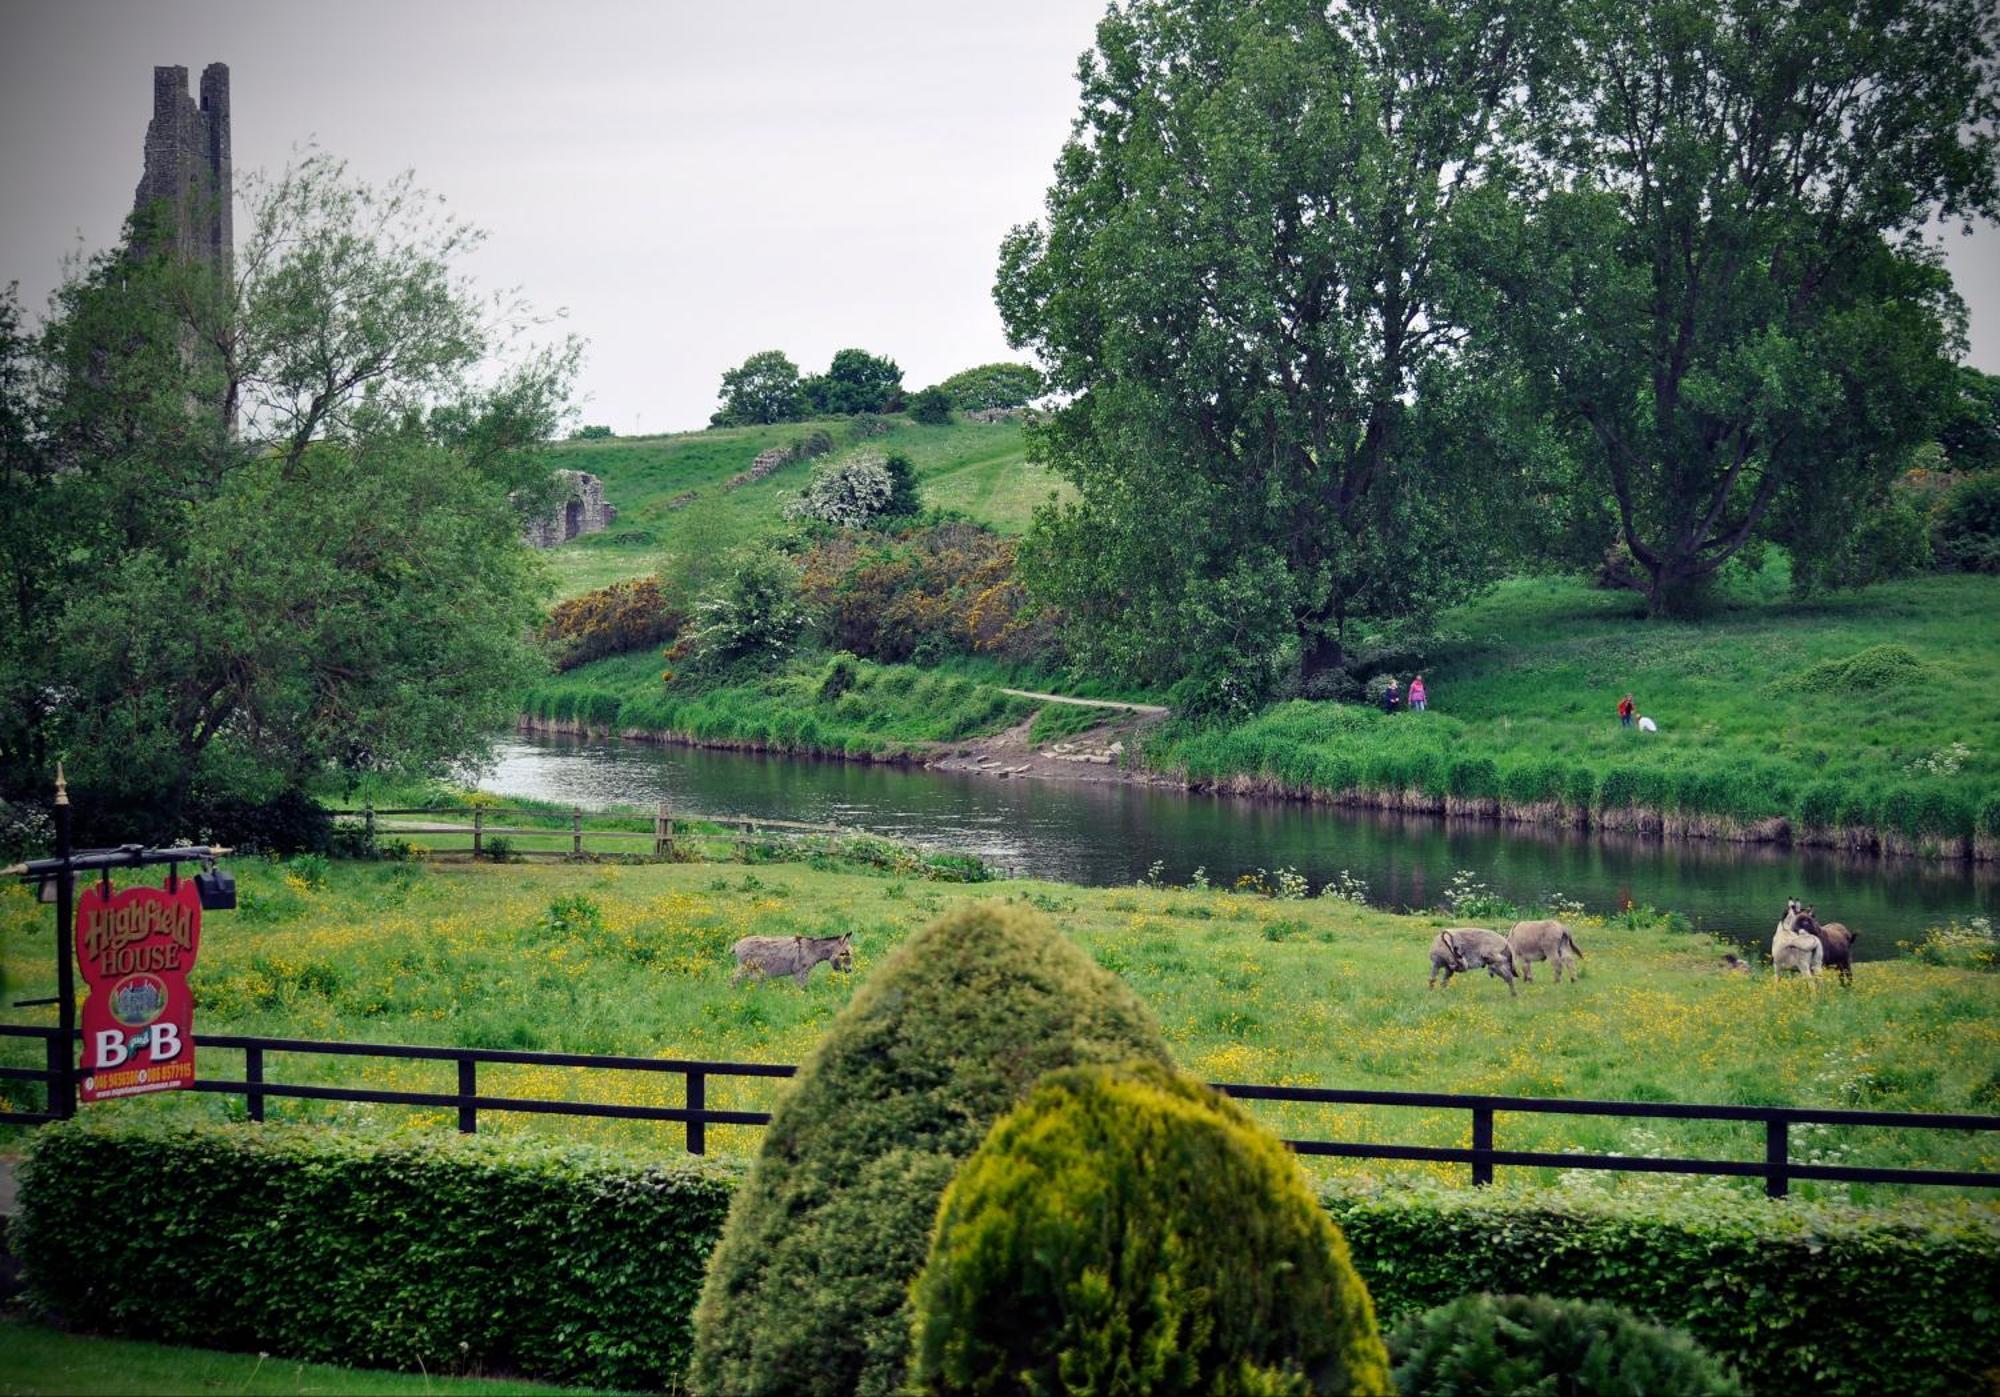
[
  {"x": 1517, "y": 1345},
  {"x": 1126, "y": 1230},
  {"x": 1472, "y": 778},
  {"x": 808, "y": 1290}
]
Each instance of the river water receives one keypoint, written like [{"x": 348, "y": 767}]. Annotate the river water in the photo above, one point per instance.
[{"x": 1111, "y": 833}]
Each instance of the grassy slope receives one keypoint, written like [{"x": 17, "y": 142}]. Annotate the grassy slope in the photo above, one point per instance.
[
  {"x": 1247, "y": 989},
  {"x": 975, "y": 467},
  {"x": 38, "y": 1362},
  {"x": 1541, "y": 663}
]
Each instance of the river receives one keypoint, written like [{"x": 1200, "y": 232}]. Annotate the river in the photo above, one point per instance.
[{"x": 1111, "y": 833}]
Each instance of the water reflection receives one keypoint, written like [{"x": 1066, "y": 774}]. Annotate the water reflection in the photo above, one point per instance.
[{"x": 1109, "y": 833}]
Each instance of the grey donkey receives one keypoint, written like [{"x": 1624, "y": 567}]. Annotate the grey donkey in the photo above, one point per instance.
[
  {"x": 1461, "y": 949},
  {"x": 1545, "y": 940},
  {"x": 795, "y": 956}
]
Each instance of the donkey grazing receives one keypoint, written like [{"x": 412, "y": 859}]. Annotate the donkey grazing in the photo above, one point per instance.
[
  {"x": 1462, "y": 949},
  {"x": 1792, "y": 947},
  {"x": 1836, "y": 943},
  {"x": 1545, "y": 940},
  {"x": 795, "y": 956}
]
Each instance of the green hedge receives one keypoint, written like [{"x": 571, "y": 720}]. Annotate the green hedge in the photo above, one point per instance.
[
  {"x": 446, "y": 1253},
  {"x": 582, "y": 1266},
  {"x": 1802, "y": 1298}
]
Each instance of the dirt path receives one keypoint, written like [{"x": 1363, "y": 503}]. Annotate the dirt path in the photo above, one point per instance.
[
  {"x": 1151, "y": 710},
  {"x": 1096, "y": 755}
]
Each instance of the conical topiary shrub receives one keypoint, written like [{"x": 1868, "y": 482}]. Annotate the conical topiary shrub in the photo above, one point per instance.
[
  {"x": 1126, "y": 1230},
  {"x": 808, "y": 1290}
]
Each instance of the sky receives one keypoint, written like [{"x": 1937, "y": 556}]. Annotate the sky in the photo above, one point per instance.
[{"x": 689, "y": 183}]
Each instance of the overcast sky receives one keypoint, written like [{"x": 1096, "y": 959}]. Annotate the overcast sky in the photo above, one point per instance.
[{"x": 690, "y": 182}]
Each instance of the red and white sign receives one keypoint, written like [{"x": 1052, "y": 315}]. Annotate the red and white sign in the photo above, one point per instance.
[{"x": 136, "y": 948}]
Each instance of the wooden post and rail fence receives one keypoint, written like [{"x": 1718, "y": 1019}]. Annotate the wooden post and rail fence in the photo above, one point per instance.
[{"x": 557, "y": 827}]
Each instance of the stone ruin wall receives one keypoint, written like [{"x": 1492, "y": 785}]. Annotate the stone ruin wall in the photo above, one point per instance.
[{"x": 580, "y": 509}]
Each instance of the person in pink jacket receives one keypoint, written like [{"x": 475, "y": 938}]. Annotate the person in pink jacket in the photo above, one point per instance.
[{"x": 1419, "y": 699}]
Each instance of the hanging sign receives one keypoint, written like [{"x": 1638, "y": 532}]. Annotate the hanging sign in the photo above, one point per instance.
[{"x": 136, "y": 948}]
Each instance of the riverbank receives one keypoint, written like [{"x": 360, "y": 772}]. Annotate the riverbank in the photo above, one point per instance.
[
  {"x": 1865, "y": 722},
  {"x": 606, "y": 959}
]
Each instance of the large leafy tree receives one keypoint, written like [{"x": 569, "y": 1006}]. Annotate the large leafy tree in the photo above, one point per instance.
[
  {"x": 1239, "y": 281},
  {"x": 263, "y": 528},
  {"x": 1715, "y": 274},
  {"x": 856, "y": 381},
  {"x": 763, "y": 388}
]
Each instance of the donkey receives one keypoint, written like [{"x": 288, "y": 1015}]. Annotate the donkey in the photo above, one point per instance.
[
  {"x": 790, "y": 955},
  {"x": 1793, "y": 948},
  {"x": 1836, "y": 943},
  {"x": 1462, "y": 949},
  {"x": 1545, "y": 940}
]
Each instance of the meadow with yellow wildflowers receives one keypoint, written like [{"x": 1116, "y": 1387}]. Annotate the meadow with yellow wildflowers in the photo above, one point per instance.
[{"x": 634, "y": 960}]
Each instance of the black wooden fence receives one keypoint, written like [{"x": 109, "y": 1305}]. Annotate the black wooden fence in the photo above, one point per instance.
[{"x": 1777, "y": 1169}]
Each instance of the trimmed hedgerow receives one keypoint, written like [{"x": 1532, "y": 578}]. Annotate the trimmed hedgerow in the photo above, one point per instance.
[
  {"x": 1125, "y": 1229},
  {"x": 445, "y": 1254},
  {"x": 1530, "y": 1345},
  {"x": 808, "y": 1291},
  {"x": 1800, "y": 1297}
]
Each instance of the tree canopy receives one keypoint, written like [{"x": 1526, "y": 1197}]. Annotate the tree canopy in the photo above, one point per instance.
[
  {"x": 856, "y": 381},
  {"x": 1240, "y": 280},
  {"x": 993, "y": 385},
  {"x": 1710, "y": 264},
  {"x": 763, "y": 388},
  {"x": 338, "y": 583}
]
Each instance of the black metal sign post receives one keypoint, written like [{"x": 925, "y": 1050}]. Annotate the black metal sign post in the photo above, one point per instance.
[{"x": 217, "y": 891}]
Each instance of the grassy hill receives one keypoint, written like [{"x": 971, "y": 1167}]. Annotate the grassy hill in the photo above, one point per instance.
[{"x": 976, "y": 467}]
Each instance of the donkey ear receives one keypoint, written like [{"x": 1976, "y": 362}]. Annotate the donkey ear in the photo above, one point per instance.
[{"x": 1449, "y": 944}]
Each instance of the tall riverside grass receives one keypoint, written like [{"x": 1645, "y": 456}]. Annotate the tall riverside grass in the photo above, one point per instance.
[
  {"x": 1867, "y": 720},
  {"x": 889, "y": 711},
  {"x": 602, "y": 958}
]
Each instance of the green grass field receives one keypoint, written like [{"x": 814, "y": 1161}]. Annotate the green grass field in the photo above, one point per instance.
[
  {"x": 1763, "y": 710},
  {"x": 976, "y": 467},
  {"x": 634, "y": 960},
  {"x": 40, "y": 1362}
]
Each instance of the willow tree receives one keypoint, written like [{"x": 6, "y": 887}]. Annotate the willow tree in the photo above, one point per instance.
[
  {"x": 1272, "y": 429},
  {"x": 1715, "y": 271}
]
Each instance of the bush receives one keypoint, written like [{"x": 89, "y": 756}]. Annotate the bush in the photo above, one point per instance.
[
  {"x": 847, "y": 494},
  {"x": 612, "y": 620},
  {"x": 808, "y": 1289},
  {"x": 993, "y": 385},
  {"x": 931, "y": 406},
  {"x": 1748, "y": 1280},
  {"x": 343, "y": 1246},
  {"x": 1966, "y": 531},
  {"x": 1127, "y": 1230},
  {"x": 904, "y": 498},
  {"x": 756, "y": 614},
  {"x": 1517, "y": 1345},
  {"x": 289, "y": 823},
  {"x": 1878, "y": 667}
]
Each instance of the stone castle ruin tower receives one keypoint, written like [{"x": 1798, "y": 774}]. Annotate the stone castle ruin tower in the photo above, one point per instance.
[{"x": 186, "y": 193}]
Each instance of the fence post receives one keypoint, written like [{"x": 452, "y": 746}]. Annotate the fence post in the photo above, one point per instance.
[
  {"x": 55, "y": 1043},
  {"x": 478, "y": 832},
  {"x": 697, "y": 1100},
  {"x": 1777, "y": 1160},
  {"x": 468, "y": 1087},
  {"x": 575, "y": 832},
  {"x": 660, "y": 836},
  {"x": 368, "y": 825},
  {"x": 253, "y": 1076},
  {"x": 1482, "y": 1140}
]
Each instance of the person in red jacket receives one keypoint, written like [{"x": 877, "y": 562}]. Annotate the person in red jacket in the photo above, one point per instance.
[
  {"x": 1419, "y": 697},
  {"x": 1626, "y": 708}
]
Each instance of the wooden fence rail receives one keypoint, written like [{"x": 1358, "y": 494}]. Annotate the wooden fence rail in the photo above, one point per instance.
[
  {"x": 667, "y": 827},
  {"x": 1776, "y": 1168}
]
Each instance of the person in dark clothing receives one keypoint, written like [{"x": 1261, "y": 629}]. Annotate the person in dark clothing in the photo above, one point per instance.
[{"x": 1392, "y": 697}]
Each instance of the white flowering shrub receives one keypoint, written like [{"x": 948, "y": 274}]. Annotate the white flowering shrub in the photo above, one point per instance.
[{"x": 849, "y": 493}]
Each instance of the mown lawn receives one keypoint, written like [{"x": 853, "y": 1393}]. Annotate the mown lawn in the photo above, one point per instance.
[
  {"x": 976, "y": 467},
  {"x": 41, "y": 1362},
  {"x": 634, "y": 960}
]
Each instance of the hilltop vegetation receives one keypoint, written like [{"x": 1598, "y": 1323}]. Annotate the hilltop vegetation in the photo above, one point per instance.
[{"x": 672, "y": 502}]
